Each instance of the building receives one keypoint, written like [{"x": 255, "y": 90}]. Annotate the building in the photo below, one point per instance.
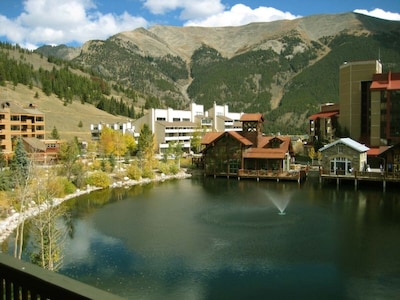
[
  {"x": 179, "y": 126},
  {"x": 385, "y": 109},
  {"x": 248, "y": 153},
  {"x": 343, "y": 156},
  {"x": 355, "y": 99},
  {"x": 17, "y": 122},
  {"x": 42, "y": 151},
  {"x": 323, "y": 125},
  {"x": 124, "y": 128}
]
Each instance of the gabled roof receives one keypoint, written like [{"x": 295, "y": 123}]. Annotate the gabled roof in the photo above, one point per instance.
[
  {"x": 348, "y": 142},
  {"x": 35, "y": 143},
  {"x": 264, "y": 151},
  {"x": 252, "y": 117},
  {"x": 323, "y": 115},
  {"x": 211, "y": 137}
]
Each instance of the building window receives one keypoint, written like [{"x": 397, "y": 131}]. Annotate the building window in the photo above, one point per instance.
[
  {"x": 15, "y": 118},
  {"x": 39, "y": 119},
  {"x": 340, "y": 149}
]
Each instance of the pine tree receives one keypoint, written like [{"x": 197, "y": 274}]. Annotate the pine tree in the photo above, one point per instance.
[
  {"x": 20, "y": 163},
  {"x": 54, "y": 134}
]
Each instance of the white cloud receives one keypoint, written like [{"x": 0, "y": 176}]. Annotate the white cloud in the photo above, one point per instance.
[
  {"x": 189, "y": 9},
  {"x": 241, "y": 14},
  {"x": 379, "y": 13},
  {"x": 52, "y": 22}
]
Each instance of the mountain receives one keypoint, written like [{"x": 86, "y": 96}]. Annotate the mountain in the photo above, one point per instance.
[{"x": 283, "y": 69}]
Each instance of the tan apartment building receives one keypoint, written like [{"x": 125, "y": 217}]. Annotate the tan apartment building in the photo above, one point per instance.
[
  {"x": 354, "y": 98},
  {"x": 16, "y": 122}
]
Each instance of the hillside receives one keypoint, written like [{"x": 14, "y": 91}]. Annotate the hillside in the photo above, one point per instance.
[
  {"x": 283, "y": 69},
  {"x": 65, "y": 118}
]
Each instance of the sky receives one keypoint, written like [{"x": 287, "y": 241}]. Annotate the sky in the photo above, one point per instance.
[{"x": 33, "y": 23}]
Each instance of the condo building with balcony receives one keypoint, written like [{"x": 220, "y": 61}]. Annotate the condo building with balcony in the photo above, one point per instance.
[{"x": 18, "y": 122}]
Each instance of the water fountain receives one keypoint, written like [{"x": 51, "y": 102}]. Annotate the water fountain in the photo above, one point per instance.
[{"x": 280, "y": 200}]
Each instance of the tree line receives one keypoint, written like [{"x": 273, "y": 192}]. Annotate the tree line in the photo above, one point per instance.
[{"x": 66, "y": 84}]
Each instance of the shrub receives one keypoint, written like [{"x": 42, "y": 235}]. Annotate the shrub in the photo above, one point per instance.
[
  {"x": 106, "y": 166},
  {"x": 163, "y": 167},
  {"x": 148, "y": 173},
  {"x": 95, "y": 165},
  {"x": 99, "y": 179},
  {"x": 174, "y": 169},
  {"x": 60, "y": 186},
  {"x": 69, "y": 187},
  {"x": 133, "y": 171}
]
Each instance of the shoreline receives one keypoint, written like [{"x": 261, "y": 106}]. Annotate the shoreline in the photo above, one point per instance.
[{"x": 9, "y": 224}]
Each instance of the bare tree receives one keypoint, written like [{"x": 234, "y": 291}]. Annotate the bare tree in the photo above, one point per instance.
[
  {"x": 48, "y": 233},
  {"x": 22, "y": 168}
]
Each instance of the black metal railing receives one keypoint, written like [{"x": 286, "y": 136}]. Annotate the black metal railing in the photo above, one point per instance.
[{"x": 21, "y": 280}]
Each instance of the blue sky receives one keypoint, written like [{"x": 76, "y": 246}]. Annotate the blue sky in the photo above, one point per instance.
[{"x": 32, "y": 23}]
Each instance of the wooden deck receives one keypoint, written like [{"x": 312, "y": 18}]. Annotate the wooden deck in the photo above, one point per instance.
[
  {"x": 295, "y": 175},
  {"x": 383, "y": 177}
]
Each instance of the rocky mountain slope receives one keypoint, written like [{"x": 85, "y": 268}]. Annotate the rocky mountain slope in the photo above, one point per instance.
[{"x": 284, "y": 69}]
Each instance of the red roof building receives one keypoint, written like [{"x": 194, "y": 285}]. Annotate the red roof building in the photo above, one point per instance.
[
  {"x": 322, "y": 125},
  {"x": 248, "y": 153}
]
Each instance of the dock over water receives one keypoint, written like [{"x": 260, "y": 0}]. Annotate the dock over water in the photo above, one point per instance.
[{"x": 357, "y": 177}]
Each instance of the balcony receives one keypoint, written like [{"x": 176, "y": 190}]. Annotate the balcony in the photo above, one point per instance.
[{"x": 22, "y": 280}]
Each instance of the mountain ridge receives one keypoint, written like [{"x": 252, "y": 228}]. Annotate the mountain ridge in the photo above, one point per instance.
[{"x": 254, "y": 67}]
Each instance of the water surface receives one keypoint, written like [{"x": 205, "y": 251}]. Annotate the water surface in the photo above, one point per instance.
[{"x": 206, "y": 238}]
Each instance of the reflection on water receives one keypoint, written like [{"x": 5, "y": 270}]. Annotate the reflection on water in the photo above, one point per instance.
[{"x": 210, "y": 238}]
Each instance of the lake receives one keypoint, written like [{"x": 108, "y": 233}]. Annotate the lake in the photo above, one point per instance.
[{"x": 206, "y": 238}]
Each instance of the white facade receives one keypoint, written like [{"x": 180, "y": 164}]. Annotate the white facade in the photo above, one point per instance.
[
  {"x": 124, "y": 128},
  {"x": 178, "y": 126}
]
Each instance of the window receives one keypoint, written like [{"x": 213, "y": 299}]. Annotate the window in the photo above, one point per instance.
[{"x": 340, "y": 149}]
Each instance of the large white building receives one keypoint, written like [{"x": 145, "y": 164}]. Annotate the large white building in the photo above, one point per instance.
[
  {"x": 125, "y": 128},
  {"x": 178, "y": 126}
]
